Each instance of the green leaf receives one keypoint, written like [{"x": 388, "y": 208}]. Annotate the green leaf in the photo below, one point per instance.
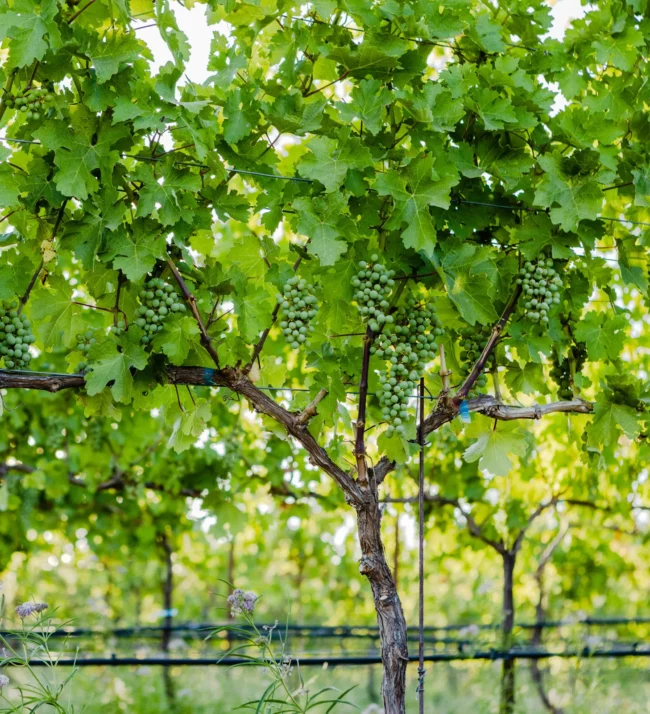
[
  {"x": 189, "y": 426},
  {"x": 137, "y": 248},
  {"x": 578, "y": 199},
  {"x": 111, "y": 363},
  {"x": 57, "y": 316},
  {"x": 603, "y": 334},
  {"x": 79, "y": 150},
  {"x": 162, "y": 190},
  {"x": 109, "y": 54},
  {"x": 330, "y": 160},
  {"x": 368, "y": 102},
  {"x": 494, "y": 446},
  {"x": 323, "y": 221},
  {"x": 495, "y": 110},
  {"x": 610, "y": 419},
  {"x": 642, "y": 186},
  {"x": 27, "y": 26},
  {"x": 413, "y": 191},
  {"x": 619, "y": 50},
  {"x": 239, "y": 117},
  {"x": 9, "y": 187},
  {"x": 176, "y": 338},
  {"x": 254, "y": 309}
]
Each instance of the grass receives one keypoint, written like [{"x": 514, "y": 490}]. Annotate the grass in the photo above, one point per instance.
[{"x": 578, "y": 686}]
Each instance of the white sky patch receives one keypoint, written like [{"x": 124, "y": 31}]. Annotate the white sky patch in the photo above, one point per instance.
[
  {"x": 564, "y": 12},
  {"x": 194, "y": 24}
]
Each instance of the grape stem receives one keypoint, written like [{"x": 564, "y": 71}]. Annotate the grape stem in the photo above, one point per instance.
[
  {"x": 206, "y": 341},
  {"x": 478, "y": 367},
  {"x": 76, "y": 15}
]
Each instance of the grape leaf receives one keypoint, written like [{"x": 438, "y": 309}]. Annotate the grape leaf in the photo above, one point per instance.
[
  {"x": 110, "y": 364},
  {"x": 57, "y": 316},
  {"x": 603, "y": 334},
  {"x": 109, "y": 54},
  {"x": 323, "y": 221},
  {"x": 494, "y": 446},
  {"x": 330, "y": 160},
  {"x": 136, "y": 248},
  {"x": 578, "y": 200},
  {"x": 414, "y": 191},
  {"x": 176, "y": 338}
]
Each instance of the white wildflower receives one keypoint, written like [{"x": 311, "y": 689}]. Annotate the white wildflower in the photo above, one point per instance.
[{"x": 4, "y": 680}]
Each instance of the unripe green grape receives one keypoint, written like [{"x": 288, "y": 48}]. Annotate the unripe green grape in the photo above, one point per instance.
[
  {"x": 297, "y": 303},
  {"x": 160, "y": 300}
]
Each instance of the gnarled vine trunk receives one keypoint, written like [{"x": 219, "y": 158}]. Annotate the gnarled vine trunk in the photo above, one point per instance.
[{"x": 390, "y": 617}]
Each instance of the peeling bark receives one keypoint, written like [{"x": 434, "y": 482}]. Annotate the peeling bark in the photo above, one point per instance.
[{"x": 390, "y": 616}]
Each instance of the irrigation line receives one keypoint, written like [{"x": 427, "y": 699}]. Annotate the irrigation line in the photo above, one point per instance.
[{"x": 490, "y": 655}]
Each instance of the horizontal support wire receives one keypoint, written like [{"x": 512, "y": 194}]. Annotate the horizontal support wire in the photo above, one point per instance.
[
  {"x": 490, "y": 655},
  {"x": 369, "y": 631},
  {"x": 306, "y": 180}
]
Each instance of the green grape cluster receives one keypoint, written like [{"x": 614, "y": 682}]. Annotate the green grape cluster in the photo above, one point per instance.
[
  {"x": 299, "y": 306},
  {"x": 85, "y": 341},
  {"x": 407, "y": 344},
  {"x": 15, "y": 337},
  {"x": 158, "y": 300},
  {"x": 561, "y": 371},
  {"x": 540, "y": 286},
  {"x": 374, "y": 284},
  {"x": 472, "y": 342},
  {"x": 119, "y": 328},
  {"x": 32, "y": 102}
]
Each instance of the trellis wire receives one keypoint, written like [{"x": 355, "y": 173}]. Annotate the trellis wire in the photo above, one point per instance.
[
  {"x": 356, "y": 631},
  {"x": 491, "y": 655},
  {"x": 306, "y": 180}
]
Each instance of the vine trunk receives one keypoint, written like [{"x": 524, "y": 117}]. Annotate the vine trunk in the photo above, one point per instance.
[{"x": 390, "y": 616}]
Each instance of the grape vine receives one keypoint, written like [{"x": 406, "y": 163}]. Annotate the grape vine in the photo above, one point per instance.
[
  {"x": 158, "y": 300},
  {"x": 299, "y": 307},
  {"x": 407, "y": 344},
  {"x": 15, "y": 337}
]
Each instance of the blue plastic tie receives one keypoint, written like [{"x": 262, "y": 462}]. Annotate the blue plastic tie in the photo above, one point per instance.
[
  {"x": 207, "y": 376},
  {"x": 464, "y": 412}
]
